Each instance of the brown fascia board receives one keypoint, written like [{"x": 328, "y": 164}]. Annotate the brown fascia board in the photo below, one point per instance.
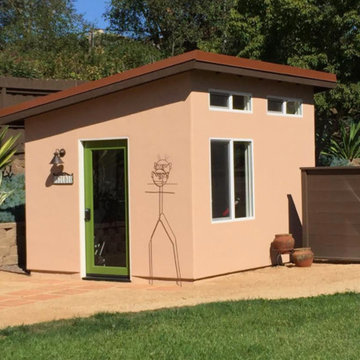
[{"x": 188, "y": 61}]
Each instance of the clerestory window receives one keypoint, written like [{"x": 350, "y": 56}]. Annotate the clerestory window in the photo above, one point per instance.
[{"x": 239, "y": 102}]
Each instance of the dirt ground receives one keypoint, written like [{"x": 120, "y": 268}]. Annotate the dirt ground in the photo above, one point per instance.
[{"x": 29, "y": 299}]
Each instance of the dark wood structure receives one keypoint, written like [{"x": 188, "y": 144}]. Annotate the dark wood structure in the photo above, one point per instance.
[
  {"x": 17, "y": 90},
  {"x": 14, "y": 91},
  {"x": 331, "y": 212}
]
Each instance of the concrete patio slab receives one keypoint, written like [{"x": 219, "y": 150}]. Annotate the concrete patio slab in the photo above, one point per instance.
[{"x": 29, "y": 299}]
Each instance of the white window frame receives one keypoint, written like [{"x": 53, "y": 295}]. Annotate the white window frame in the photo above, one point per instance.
[
  {"x": 250, "y": 193},
  {"x": 283, "y": 106},
  {"x": 230, "y": 94}
]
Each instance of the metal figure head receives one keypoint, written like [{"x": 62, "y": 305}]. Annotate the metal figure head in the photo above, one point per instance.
[{"x": 161, "y": 172}]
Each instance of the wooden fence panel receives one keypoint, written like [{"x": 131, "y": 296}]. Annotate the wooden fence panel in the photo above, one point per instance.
[{"x": 331, "y": 212}]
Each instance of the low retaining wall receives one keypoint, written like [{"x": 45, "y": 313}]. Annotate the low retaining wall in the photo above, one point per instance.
[{"x": 12, "y": 240}]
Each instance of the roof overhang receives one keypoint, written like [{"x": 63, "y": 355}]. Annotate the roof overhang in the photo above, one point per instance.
[{"x": 194, "y": 60}]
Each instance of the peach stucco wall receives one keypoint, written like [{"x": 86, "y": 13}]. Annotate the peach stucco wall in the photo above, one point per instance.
[
  {"x": 281, "y": 145},
  {"x": 155, "y": 119},
  {"x": 169, "y": 118}
]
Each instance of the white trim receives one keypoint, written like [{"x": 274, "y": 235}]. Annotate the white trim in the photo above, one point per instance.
[
  {"x": 251, "y": 177},
  {"x": 129, "y": 204},
  {"x": 82, "y": 200},
  {"x": 82, "y": 209},
  {"x": 230, "y": 94},
  {"x": 232, "y": 183},
  {"x": 283, "y": 106}
]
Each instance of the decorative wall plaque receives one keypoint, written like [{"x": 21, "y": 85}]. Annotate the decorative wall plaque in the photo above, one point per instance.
[{"x": 63, "y": 179}]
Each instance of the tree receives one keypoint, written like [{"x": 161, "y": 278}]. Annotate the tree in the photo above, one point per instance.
[
  {"x": 41, "y": 21},
  {"x": 48, "y": 39},
  {"x": 316, "y": 34},
  {"x": 34, "y": 33},
  {"x": 173, "y": 26}
]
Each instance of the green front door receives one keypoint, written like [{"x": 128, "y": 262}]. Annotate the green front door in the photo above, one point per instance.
[{"x": 106, "y": 208}]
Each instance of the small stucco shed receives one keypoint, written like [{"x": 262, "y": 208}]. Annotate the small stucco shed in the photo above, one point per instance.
[{"x": 184, "y": 168}]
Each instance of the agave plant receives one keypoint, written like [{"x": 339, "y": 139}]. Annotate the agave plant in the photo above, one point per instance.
[
  {"x": 4, "y": 194},
  {"x": 7, "y": 148},
  {"x": 7, "y": 152},
  {"x": 347, "y": 144}
]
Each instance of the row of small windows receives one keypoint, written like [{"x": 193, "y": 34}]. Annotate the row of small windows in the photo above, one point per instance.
[
  {"x": 242, "y": 102},
  {"x": 285, "y": 107}
]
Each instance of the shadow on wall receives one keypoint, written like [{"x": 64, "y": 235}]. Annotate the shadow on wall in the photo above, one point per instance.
[
  {"x": 55, "y": 169},
  {"x": 13, "y": 212},
  {"x": 21, "y": 244},
  {"x": 112, "y": 106},
  {"x": 295, "y": 226}
]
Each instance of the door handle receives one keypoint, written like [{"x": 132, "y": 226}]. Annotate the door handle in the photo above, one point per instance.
[{"x": 87, "y": 214}]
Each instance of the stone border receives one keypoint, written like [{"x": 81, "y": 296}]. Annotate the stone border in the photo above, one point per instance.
[{"x": 9, "y": 240}]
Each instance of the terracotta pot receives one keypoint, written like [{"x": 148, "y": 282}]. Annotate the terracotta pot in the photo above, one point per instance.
[
  {"x": 302, "y": 257},
  {"x": 283, "y": 243}
]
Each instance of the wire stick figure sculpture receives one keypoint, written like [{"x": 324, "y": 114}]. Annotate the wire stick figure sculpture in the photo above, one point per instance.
[{"x": 160, "y": 176}]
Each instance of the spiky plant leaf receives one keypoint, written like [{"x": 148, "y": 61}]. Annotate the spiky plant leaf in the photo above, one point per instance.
[
  {"x": 346, "y": 145},
  {"x": 7, "y": 151},
  {"x": 4, "y": 194}
]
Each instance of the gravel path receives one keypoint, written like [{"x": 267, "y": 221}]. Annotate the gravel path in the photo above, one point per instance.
[{"x": 29, "y": 299}]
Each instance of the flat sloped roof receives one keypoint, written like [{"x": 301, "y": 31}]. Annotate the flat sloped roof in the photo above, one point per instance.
[{"x": 193, "y": 60}]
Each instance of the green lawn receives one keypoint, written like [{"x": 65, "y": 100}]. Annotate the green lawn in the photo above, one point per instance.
[{"x": 325, "y": 327}]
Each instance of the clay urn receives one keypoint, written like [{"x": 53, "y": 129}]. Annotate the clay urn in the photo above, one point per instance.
[
  {"x": 302, "y": 257},
  {"x": 283, "y": 243}
]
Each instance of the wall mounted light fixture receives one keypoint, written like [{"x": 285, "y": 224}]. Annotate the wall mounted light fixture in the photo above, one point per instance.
[
  {"x": 59, "y": 177},
  {"x": 58, "y": 154}
]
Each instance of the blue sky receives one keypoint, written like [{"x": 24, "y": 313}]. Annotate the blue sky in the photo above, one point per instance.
[{"x": 92, "y": 11}]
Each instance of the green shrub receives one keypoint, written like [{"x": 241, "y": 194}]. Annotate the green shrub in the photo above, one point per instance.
[
  {"x": 329, "y": 160},
  {"x": 339, "y": 162},
  {"x": 13, "y": 208}
]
